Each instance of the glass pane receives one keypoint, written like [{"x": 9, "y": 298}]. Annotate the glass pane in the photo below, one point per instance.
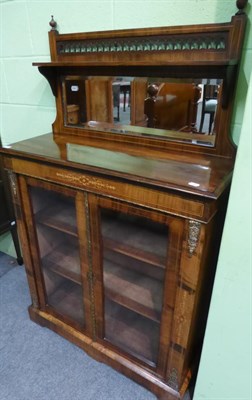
[
  {"x": 55, "y": 221},
  {"x": 134, "y": 260},
  {"x": 181, "y": 110}
]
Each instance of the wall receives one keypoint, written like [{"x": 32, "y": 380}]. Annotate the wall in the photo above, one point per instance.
[
  {"x": 225, "y": 368},
  {"x": 27, "y": 109}
]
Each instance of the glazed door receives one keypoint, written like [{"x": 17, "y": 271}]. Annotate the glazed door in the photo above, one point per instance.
[
  {"x": 135, "y": 268},
  {"x": 58, "y": 260}
]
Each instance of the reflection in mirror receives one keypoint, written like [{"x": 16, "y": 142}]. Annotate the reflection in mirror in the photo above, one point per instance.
[{"x": 178, "y": 110}]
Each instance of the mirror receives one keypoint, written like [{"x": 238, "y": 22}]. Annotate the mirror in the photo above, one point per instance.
[{"x": 172, "y": 109}]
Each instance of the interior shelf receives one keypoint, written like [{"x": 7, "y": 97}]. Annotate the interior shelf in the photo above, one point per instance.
[
  {"x": 138, "y": 254},
  {"x": 133, "y": 264},
  {"x": 137, "y": 238},
  {"x": 64, "y": 260},
  {"x": 133, "y": 290},
  {"x": 59, "y": 216},
  {"x": 131, "y": 332}
]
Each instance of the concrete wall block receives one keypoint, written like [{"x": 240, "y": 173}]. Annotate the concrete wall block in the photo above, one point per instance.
[
  {"x": 164, "y": 13},
  {"x": 71, "y": 16},
  {"x": 26, "y": 86},
  {"x": 4, "y": 95},
  {"x": 23, "y": 122},
  {"x": 15, "y": 30}
]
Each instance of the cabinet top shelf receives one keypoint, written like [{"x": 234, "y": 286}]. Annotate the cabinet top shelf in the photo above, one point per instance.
[
  {"x": 82, "y": 63},
  {"x": 202, "y": 176}
]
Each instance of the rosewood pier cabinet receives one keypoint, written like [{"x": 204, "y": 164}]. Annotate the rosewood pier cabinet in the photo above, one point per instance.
[{"x": 121, "y": 223}]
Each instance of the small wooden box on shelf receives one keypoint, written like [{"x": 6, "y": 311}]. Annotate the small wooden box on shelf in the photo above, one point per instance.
[{"x": 120, "y": 216}]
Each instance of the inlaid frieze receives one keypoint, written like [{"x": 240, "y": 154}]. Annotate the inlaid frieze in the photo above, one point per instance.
[{"x": 214, "y": 42}]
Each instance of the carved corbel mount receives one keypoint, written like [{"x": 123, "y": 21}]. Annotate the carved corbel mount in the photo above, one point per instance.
[{"x": 193, "y": 236}]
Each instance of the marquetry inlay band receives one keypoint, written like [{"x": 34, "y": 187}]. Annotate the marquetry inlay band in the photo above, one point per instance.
[
  {"x": 158, "y": 43},
  {"x": 90, "y": 275},
  {"x": 13, "y": 184},
  {"x": 85, "y": 181}
]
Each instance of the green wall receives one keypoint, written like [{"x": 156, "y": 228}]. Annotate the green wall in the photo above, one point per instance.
[
  {"x": 225, "y": 368},
  {"x": 27, "y": 109}
]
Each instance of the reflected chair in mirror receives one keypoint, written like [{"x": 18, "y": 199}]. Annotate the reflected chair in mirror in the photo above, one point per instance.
[
  {"x": 121, "y": 97},
  {"x": 172, "y": 106},
  {"x": 209, "y": 105}
]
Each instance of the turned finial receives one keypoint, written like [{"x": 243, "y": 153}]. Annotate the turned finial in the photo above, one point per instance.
[
  {"x": 241, "y": 4},
  {"x": 53, "y": 24},
  {"x": 152, "y": 90}
]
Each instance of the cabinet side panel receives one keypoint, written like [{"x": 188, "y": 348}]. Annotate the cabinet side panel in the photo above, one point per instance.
[
  {"x": 208, "y": 261},
  {"x": 186, "y": 299}
]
